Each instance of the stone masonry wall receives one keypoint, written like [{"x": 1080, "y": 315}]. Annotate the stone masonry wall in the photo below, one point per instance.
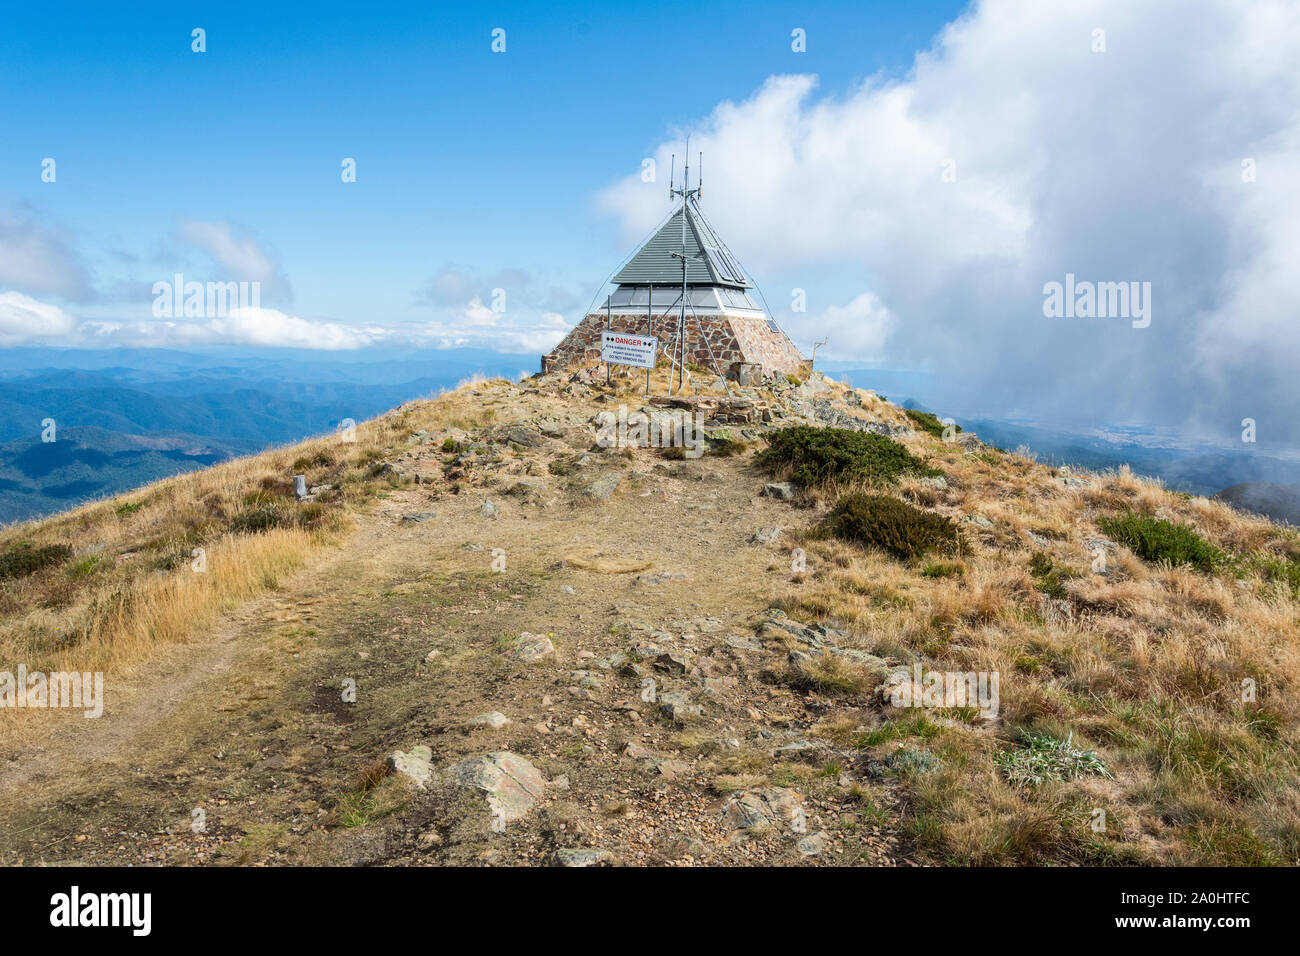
[{"x": 733, "y": 339}]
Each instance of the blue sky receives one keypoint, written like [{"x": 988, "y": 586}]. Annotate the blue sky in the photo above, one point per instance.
[
  {"x": 481, "y": 161},
  {"x": 920, "y": 176}
]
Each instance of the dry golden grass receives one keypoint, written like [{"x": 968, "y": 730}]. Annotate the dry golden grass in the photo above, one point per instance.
[
  {"x": 600, "y": 564},
  {"x": 1144, "y": 663},
  {"x": 130, "y": 587}
]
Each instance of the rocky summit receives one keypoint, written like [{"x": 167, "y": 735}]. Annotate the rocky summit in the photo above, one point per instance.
[{"x": 559, "y": 622}]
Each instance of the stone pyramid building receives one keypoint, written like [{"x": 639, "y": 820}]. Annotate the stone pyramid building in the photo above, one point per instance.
[{"x": 725, "y": 329}]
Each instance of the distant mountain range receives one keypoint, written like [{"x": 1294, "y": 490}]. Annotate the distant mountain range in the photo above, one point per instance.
[
  {"x": 125, "y": 417},
  {"x": 1250, "y": 477},
  {"x": 1279, "y": 502}
]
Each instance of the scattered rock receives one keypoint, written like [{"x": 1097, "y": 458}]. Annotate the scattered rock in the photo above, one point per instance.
[
  {"x": 418, "y": 517},
  {"x": 493, "y": 720},
  {"x": 529, "y": 648},
  {"x": 676, "y": 706},
  {"x": 636, "y": 751},
  {"x": 672, "y": 769},
  {"x": 519, "y": 436},
  {"x": 513, "y": 786},
  {"x": 765, "y": 536},
  {"x": 1105, "y": 544},
  {"x": 770, "y": 806},
  {"x": 782, "y": 490},
  {"x": 415, "y": 764},
  {"x": 583, "y": 857},
  {"x": 814, "y": 843},
  {"x": 488, "y": 510},
  {"x": 604, "y": 486}
]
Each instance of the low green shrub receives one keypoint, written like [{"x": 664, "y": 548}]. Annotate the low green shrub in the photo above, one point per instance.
[
  {"x": 1049, "y": 578},
  {"x": 819, "y": 455},
  {"x": 24, "y": 560},
  {"x": 928, "y": 422},
  {"x": 1283, "y": 570},
  {"x": 267, "y": 515},
  {"x": 942, "y": 570},
  {"x": 1155, "y": 539},
  {"x": 893, "y": 526}
]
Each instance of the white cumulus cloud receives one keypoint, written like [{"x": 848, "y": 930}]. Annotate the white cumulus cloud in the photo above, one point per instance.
[
  {"x": 1011, "y": 155},
  {"x": 236, "y": 253},
  {"x": 24, "y": 319}
]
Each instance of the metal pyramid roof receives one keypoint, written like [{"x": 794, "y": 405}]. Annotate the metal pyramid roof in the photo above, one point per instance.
[{"x": 708, "y": 262}]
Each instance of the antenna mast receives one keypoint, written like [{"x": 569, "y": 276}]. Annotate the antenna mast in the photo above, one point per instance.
[{"x": 687, "y": 194}]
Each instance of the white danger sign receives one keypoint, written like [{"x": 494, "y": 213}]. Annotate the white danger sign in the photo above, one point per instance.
[{"x": 623, "y": 348}]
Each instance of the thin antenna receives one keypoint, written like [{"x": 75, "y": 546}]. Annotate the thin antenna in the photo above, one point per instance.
[
  {"x": 699, "y": 187},
  {"x": 686, "y": 192},
  {"x": 672, "y": 173},
  {"x": 686, "y": 175}
]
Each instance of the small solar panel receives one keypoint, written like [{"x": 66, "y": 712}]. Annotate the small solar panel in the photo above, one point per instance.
[
  {"x": 734, "y": 268},
  {"x": 720, "y": 265}
]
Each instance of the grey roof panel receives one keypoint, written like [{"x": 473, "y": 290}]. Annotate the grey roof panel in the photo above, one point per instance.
[{"x": 707, "y": 263}]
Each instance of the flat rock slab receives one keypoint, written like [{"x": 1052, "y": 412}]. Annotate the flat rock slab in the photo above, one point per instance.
[
  {"x": 513, "y": 786},
  {"x": 414, "y": 764},
  {"x": 493, "y": 720},
  {"x": 418, "y": 517},
  {"x": 529, "y": 648},
  {"x": 583, "y": 857},
  {"x": 814, "y": 844},
  {"x": 770, "y": 806},
  {"x": 677, "y": 706},
  {"x": 604, "y": 486}
]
